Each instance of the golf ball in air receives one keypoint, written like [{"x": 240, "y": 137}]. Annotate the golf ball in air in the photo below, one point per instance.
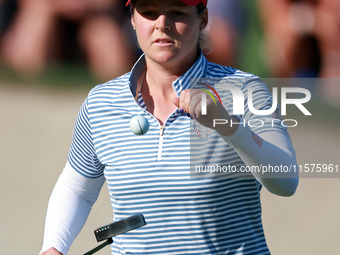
[{"x": 139, "y": 125}]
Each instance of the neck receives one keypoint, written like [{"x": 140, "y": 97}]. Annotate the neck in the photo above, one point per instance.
[
  {"x": 159, "y": 77},
  {"x": 159, "y": 80}
]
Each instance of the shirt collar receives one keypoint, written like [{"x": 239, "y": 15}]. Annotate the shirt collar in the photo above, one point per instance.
[{"x": 195, "y": 72}]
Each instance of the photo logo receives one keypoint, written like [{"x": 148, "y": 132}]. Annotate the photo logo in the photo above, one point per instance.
[
  {"x": 204, "y": 98},
  {"x": 272, "y": 116}
]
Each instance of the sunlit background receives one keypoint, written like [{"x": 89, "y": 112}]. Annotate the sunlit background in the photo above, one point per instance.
[{"x": 53, "y": 52}]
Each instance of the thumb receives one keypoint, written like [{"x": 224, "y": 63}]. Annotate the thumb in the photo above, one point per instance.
[{"x": 176, "y": 101}]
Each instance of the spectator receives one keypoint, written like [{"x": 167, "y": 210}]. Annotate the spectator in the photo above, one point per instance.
[
  {"x": 91, "y": 28},
  {"x": 302, "y": 37}
]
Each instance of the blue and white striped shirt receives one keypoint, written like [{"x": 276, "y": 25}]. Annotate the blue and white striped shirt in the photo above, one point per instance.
[{"x": 150, "y": 174}]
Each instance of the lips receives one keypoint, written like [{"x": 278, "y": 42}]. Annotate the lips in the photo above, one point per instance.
[{"x": 165, "y": 41}]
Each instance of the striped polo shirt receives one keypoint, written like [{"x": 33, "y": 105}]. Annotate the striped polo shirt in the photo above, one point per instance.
[{"x": 150, "y": 174}]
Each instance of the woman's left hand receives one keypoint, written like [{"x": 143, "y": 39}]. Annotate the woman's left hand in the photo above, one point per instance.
[{"x": 190, "y": 101}]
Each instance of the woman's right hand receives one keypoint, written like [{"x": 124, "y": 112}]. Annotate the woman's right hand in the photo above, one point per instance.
[{"x": 51, "y": 251}]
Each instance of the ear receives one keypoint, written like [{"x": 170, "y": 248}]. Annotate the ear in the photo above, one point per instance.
[
  {"x": 133, "y": 22},
  {"x": 204, "y": 18}
]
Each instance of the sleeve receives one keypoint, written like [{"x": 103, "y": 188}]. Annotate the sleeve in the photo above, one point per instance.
[
  {"x": 68, "y": 208},
  {"x": 76, "y": 190},
  {"x": 82, "y": 155},
  {"x": 270, "y": 157},
  {"x": 263, "y": 143}
]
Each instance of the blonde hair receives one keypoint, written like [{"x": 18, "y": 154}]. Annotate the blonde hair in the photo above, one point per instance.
[{"x": 204, "y": 42}]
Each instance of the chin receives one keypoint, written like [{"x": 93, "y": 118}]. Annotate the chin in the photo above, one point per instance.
[{"x": 165, "y": 57}]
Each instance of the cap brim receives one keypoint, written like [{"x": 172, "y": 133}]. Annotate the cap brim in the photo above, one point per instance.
[
  {"x": 188, "y": 2},
  {"x": 191, "y": 2}
]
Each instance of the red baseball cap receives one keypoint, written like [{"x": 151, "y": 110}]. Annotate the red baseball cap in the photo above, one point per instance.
[{"x": 188, "y": 2}]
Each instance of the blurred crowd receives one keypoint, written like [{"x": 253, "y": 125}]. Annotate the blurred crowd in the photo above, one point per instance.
[
  {"x": 301, "y": 38},
  {"x": 37, "y": 32}
]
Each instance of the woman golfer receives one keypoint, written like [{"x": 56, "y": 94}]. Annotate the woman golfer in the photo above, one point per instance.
[{"x": 169, "y": 174}]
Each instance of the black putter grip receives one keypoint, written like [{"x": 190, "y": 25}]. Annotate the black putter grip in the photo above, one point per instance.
[{"x": 119, "y": 227}]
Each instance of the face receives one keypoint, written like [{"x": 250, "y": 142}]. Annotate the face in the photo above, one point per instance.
[{"x": 168, "y": 30}]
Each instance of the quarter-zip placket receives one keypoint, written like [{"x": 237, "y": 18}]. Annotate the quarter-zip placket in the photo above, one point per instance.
[{"x": 160, "y": 144}]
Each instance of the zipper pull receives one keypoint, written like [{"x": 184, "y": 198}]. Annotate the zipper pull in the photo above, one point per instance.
[{"x": 161, "y": 131}]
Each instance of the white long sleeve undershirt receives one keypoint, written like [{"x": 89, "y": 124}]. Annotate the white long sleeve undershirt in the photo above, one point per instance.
[
  {"x": 276, "y": 150},
  {"x": 68, "y": 208}
]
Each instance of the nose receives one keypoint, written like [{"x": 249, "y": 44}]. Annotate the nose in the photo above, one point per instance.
[{"x": 162, "y": 23}]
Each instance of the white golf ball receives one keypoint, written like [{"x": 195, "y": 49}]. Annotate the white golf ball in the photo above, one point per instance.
[{"x": 139, "y": 125}]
